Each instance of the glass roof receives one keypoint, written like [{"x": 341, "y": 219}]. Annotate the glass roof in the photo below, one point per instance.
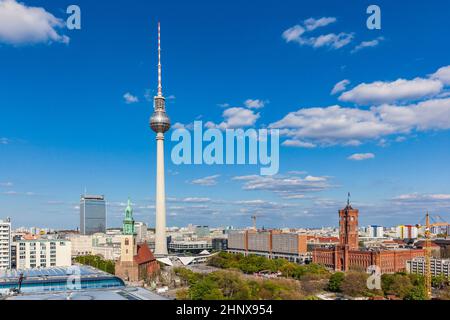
[{"x": 51, "y": 272}]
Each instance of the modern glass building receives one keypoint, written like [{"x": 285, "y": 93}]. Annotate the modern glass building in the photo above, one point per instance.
[
  {"x": 92, "y": 214},
  {"x": 58, "y": 279}
]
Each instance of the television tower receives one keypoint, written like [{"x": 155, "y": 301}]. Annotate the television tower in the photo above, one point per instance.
[{"x": 160, "y": 123}]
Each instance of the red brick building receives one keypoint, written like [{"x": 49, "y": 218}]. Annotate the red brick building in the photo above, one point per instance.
[
  {"x": 144, "y": 264},
  {"x": 347, "y": 256},
  {"x": 136, "y": 260}
]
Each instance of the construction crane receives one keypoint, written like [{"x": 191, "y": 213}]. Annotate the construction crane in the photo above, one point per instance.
[{"x": 439, "y": 222}]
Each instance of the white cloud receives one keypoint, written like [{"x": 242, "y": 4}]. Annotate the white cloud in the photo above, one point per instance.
[
  {"x": 424, "y": 201},
  {"x": 361, "y": 156},
  {"x": 284, "y": 186},
  {"x": 20, "y": 24},
  {"x": 443, "y": 74},
  {"x": 4, "y": 141},
  {"x": 254, "y": 103},
  {"x": 235, "y": 117},
  {"x": 368, "y": 44},
  {"x": 195, "y": 200},
  {"x": 312, "y": 24},
  {"x": 298, "y": 33},
  {"x": 6, "y": 184},
  {"x": 350, "y": 126},
  {"x": 335, "y": 41},
  {"x": 298, "y": 144},
  {"x": 340, "y": 86},
  {"x": 129, "y": 98},
  {"x": 206, "y": 181},
  {"x": 385, "y": 92}
]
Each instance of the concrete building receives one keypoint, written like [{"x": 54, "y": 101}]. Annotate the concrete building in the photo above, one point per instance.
[
  {"x": 5, "y": 244},
  {"x": 269, "y": 243},
  {"x": 92, "y": 214},
  {"x": 375, "y": 231},
  {"x": 190, "y": 246},
  {"x": 219, "y": 244},
  {"x": 81, "y": 244},
  {"x": 43, "y": 253},
  {"x": 407, "y": 232},
  {"x": 202, "y": 231},
  {"x": 438, "y": 266},
  {"x": 141, "y": 232}
]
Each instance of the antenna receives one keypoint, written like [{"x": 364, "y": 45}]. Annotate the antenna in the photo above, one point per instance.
[
  {"x": 159, "y": 61},
  {"x": 348, "y": 199}
]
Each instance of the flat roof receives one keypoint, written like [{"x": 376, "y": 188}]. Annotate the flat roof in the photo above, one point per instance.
[{"x": 128, "y": 293}]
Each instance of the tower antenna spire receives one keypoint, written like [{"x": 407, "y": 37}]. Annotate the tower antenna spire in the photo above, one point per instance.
[
  {"x": 348, "y": 199},
  {"x": 159, "y": 61}
]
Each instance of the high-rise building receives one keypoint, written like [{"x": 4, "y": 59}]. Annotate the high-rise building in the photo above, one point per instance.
[
  {"x": 141, "y": 231},
  {"x": 160, "y": 123},
  {"x": 375, "y": 231},
  {"x": 407, "y": 232},
  {"x": 92, "y": 214},
  {"x": 5, "y": 244}
]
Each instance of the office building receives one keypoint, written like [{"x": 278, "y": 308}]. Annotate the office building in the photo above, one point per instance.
[
  {"x": 92, "y": 214},
  {"x": 407, "y": 232},
  {"x": 141, "y": 232},
  {"x": 5, "y": 244},
  {"x": 269, "y": 243},
  {"x": 43, "y": 253},
  {"x": 375, "y": 231},
  {"x": 438, "y": 266}
]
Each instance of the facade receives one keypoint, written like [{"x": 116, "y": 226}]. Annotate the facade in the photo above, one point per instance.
[
  {"x": 92, "y": 214},
  {"x": 202, "y": 231},
  {"x": 438, "y": 266},
  {"x": 43, "y": 253},
  {"x": 160, "y": 123},
  {"x": 190, "y": 246},
  {"x": 269, "y": 243},
  {"x": 136, "y": 261},
  {"x": 219, "y": 244},
  {"x": 347, "y": 255},
  {"x": 375, "y": 232},
  {"x": 81, "y": 244},
  {"x": 407, "y": 232},
  {"x": 5, "y": 244},
  {"x": 141, "y": 232}
]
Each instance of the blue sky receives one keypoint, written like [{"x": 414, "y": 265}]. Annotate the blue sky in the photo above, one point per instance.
[{"x": 383, "y": 135}]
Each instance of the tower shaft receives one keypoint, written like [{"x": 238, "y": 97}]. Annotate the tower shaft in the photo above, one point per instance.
[{"x": 160, "y": 227}]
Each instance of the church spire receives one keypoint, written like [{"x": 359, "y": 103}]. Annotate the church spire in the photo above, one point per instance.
[{"x": 128, "y": 222}]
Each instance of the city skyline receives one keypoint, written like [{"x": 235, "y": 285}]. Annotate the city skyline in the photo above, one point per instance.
[{"x": 76, "y": 107}]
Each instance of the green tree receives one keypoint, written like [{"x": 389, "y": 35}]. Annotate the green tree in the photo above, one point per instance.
[
  {"x": 354, "y": 284},
  {"x": 335, "y": 282}
]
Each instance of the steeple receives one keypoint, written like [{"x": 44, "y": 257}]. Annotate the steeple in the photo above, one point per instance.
[{"x": 128, "y": 222}]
